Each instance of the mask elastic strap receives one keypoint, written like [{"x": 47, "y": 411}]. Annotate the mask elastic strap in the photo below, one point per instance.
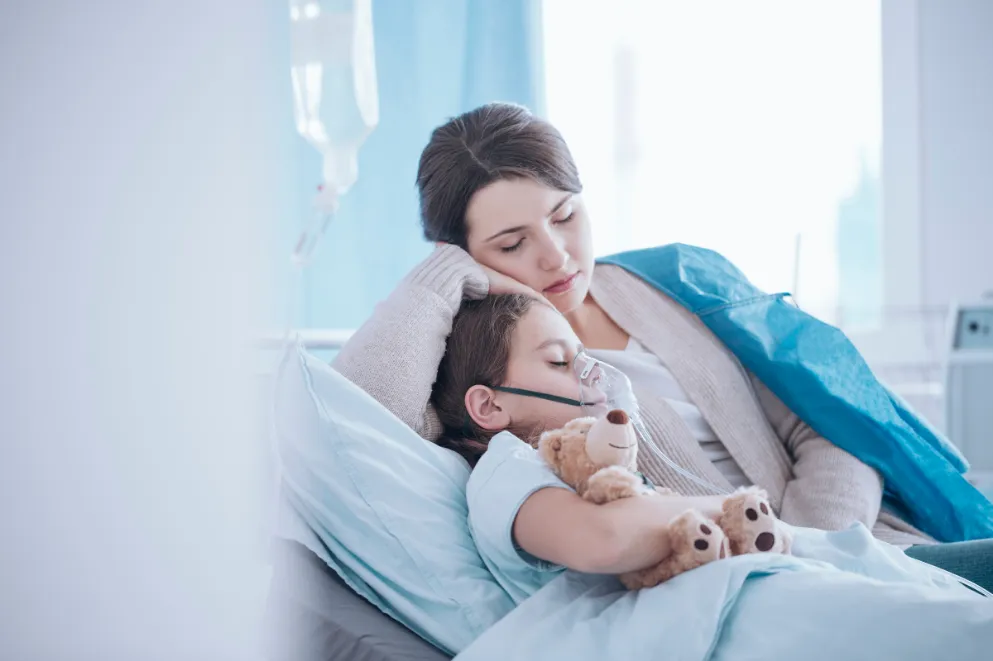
[{"x": 539, "y": 395}]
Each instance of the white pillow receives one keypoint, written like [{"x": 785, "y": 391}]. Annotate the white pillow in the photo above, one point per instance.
[{"x": 382, "y": 506}]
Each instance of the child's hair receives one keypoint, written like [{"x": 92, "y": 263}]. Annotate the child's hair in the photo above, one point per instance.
[{"x": 477, "y": 352}]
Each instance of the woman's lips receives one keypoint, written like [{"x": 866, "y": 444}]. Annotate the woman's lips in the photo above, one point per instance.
[{"x": 563, "y": 285}]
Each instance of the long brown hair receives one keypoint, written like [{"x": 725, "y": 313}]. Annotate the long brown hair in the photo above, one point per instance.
[
  {"x": 477, "y": 353},
  {"x": 469, "y": 152}
]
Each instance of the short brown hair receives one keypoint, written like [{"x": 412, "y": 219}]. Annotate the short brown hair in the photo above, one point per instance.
[
  {"x": 493, "y": 142},
  {"x": 477, "y": 353}
]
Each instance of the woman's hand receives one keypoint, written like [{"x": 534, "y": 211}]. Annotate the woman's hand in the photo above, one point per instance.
[{"x": 504, "y": 284}]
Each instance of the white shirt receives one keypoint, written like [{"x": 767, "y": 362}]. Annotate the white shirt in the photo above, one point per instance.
[{"x": 647, "y": 372}]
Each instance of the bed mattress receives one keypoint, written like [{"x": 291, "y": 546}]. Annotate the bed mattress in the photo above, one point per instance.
[{"x": 312, "y": 615}]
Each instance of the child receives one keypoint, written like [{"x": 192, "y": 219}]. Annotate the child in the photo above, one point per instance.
[{"x": 507, "y": 375}]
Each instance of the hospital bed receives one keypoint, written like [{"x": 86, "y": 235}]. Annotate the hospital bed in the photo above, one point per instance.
[{"x": 311, "y": 614}]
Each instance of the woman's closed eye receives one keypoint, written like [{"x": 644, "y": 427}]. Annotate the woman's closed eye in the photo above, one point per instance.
[
  {"x": 559, "y": 363},
  {"x": 562, "y": 221},
  {"x": 512, "y": 248}
]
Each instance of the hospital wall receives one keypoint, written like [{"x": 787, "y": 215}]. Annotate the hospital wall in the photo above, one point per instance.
[
  {"x": 956, "y": 120},
  {"x": 937, "y": 203},
  {"x": 146, "y": 158}
]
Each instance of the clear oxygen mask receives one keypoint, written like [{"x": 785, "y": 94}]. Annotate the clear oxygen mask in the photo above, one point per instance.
[{"x": 604, "y": 388}]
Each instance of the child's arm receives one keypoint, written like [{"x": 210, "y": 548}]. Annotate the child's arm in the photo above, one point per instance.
[{"x": 625, "y": 535}]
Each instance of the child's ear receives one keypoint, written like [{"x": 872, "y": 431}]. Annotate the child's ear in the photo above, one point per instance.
[{"x": 485, "y": 411}]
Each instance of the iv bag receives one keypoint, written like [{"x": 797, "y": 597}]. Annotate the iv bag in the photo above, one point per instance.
[{"x": 335, "y": 99}]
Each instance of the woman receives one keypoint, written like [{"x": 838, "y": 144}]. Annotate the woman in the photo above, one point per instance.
[{"x": 501, "y": 196}]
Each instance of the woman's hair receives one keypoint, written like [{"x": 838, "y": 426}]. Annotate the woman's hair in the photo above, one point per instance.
[
  {"x": 477, "y": 353},
  {"x": 493, "y": 142}
]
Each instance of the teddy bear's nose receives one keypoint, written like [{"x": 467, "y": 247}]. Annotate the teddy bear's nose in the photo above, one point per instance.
[{"x": 617, "y": 417}]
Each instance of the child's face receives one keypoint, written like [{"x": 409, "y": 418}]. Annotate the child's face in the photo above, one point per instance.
[{"x": 541, "y": 357}]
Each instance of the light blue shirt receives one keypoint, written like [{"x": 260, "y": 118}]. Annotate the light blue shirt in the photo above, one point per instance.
[{"x": 506, "y": 475}]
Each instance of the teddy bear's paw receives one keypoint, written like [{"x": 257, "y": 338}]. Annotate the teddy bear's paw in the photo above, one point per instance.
[
  {"x": 751, "y": 526},
  {"x": 695, "y": 540},
  {"x": 698, "y": 539},
  {"x": 612, "y": 483}
]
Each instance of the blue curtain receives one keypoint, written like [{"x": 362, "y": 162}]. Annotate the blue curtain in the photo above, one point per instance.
[{"x": 434, "y": 60}]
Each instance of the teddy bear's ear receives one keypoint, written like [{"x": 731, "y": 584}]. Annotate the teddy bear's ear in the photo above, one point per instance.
[
  {"x": 549, "y": 447},
  {"x": 581, "y": 425}
]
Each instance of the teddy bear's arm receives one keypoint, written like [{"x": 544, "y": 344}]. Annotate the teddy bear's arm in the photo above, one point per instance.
[{"x": 612, "y": 483}]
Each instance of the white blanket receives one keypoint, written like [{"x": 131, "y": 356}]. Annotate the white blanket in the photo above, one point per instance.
[{"x": 843, "y": 595}]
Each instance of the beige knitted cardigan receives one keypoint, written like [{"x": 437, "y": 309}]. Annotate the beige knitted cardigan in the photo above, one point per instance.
[{"x": 395, "y": 355}]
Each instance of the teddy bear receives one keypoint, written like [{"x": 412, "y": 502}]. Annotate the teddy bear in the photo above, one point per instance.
[{"x": 598, "y": 458}]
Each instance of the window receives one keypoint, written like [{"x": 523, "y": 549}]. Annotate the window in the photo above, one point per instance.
[{"x": 753, "y": 128}]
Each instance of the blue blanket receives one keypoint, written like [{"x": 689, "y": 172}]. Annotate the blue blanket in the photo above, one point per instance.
[
  {"x": 843, "y": 595},
  {"x": 816, "y": 371}
]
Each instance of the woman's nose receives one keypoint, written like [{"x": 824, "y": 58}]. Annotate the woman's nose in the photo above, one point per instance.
[{"x": 554, "y": 256}]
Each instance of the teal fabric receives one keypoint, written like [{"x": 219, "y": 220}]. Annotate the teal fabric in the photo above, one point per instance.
[
  {"x": 970, "y": 560},
  {"x": 842, "y": 595},
  {"x": 502, "y": 480},
  {"x": 816, "y": 371},
  {"x": 380, "y": 505}
]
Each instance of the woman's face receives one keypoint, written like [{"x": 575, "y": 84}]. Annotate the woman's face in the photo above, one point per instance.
[
  {"x": 536, "y": 235},
  {"x": 543, "y": 348}
]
